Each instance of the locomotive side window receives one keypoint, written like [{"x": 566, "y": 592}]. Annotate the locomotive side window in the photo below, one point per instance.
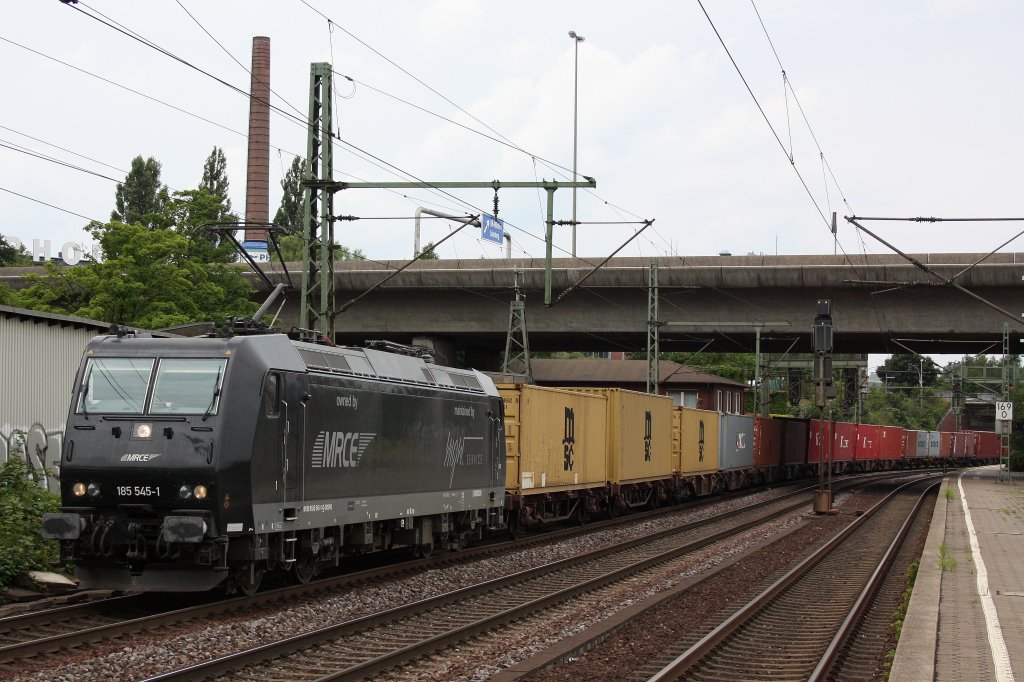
[
  {"x": 115, "y": 385},
  {"x": 271, "y": 399},
  {"x": 190, "y": 386}
]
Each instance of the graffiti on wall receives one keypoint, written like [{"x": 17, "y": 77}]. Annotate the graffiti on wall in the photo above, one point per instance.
[{"x": 39, "y": 447}]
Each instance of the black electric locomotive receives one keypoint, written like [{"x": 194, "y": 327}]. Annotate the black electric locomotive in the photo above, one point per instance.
[{"x": 191, "y": 462}]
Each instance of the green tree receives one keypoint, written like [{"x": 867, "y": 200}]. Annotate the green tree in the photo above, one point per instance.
[
  {"x": 215, "y": 177},
  {"x": 735, "y": 366},
  {"x": 149, "y": 278},
  {"x": 9, "y": 255},
  {"x": 192, "y": 213},
  {"x": 289, "y": 213},
  {"x": 22, "y": 505},
  {"x": 141, "y": 198},
  {"x": 7, "y": 295},
  {"x": 429, "y": 253},
  {"x": 560, "y": 355},
  {"x": 291, "y": 250},
  {"x": 906, "y": 370},
  {"x": 903, "y": 408}
]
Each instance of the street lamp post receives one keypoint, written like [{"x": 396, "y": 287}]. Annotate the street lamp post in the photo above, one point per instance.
[{"x": 577, "y": 39}]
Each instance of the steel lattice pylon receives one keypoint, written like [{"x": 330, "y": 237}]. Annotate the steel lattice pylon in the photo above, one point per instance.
[
  {"x": 517, "y": 340},
  {"x": 317, "y": 311},
  {"x": 653, "y": 350}
]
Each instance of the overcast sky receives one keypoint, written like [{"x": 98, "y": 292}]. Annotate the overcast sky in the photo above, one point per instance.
[{"x": 916, "y": 106}]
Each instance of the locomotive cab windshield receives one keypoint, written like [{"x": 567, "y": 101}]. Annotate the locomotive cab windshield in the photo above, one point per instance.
[{"x": 122, "y": 386}]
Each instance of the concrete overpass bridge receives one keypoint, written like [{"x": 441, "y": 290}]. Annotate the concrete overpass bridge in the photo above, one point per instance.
[{"x": 880, "y": 303}]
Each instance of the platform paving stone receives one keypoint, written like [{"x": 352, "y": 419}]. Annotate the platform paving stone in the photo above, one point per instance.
[{"x": 945, "y": 636}]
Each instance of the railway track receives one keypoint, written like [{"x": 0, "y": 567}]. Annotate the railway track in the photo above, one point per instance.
[
  {"x": 800, "y": 626},
  {"x": 56, "y": 634},
  {"x": 380, "y": 643},
  {"x": 47, "y": 632}
]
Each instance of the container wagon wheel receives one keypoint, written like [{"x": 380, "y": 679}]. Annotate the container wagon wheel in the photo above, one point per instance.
[
  {"x": 305, "y": 568},
  {"x": 515, "y": 524},
  {"x": 246, "y": 580},
  {"x": 582, "y": 515}
]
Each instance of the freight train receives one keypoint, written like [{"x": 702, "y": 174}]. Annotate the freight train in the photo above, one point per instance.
[
  {"x": 573, "y": 453},
  {"x": 193, "y": 463}
]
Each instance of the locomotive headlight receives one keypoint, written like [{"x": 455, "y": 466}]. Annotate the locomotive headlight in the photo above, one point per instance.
[
  {"x": 143, "y": 431},
  {"x": 184, "y": 492},
  {"x": 93, "y": 489},
  {"x": 78, "y": 489},
  {"x": 200, "y": 492}
]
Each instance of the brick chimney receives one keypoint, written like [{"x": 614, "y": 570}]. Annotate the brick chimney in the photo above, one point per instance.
[{"x": 257, "y": 184}]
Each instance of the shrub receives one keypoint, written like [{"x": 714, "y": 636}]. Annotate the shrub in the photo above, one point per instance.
[{"x": 22, "y": 505}]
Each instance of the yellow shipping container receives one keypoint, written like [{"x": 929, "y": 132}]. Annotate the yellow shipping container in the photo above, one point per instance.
[
  {"x": 698, "y": 440},
  {"x": 639, "y": 435},
  {"x": 554, "y": 439}
]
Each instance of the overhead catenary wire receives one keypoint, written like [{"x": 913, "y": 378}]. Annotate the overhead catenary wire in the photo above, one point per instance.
[
  {"x": 918, "y": 264},
  {"x": 555, "y": 167},
  {"x": 44, "y": 203},
  {"x": 135, "y": 36},
  {"x": 787, "y": 81},
  {"x": 63, "y": 149},
  {"x": 288, "y": 115},
  {"x": 4, "y": 144},
  {"x": 500, "y": 139},
  {"x": 228, "y": 53},
  {"x": 796, "y": 99},
  {"x": 138, "y": 37},
  {"x": 764, "y": 115}
]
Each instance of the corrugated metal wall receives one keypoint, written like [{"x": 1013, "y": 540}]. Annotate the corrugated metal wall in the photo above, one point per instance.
[{"x": 38, "y": 361}]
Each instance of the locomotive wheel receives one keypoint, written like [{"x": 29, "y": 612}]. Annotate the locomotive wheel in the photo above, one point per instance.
[
  {"x": 515, "y": 525},
  {"x": 305, "y": 569},
  {"x": 247, "y": 580}
]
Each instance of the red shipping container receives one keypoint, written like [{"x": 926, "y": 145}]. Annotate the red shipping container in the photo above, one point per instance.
[
  {"x": 767, "y": 442},
  {"x": 868, "y": 441},
  {"x": 988, "y": 444},
  {"x": 843, "y": 445},
  {"x": 946, "y": 443},
  {"x": 970, "y": 443},
  {"x": 794, "y": 441},
  {"x": 818, "y": 434},
  {"x": 846, "y": 442},
  {"x": 891, "y": 442}
]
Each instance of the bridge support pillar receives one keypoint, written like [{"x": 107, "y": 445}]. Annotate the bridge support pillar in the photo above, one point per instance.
[{"x": 443, "y": 349}]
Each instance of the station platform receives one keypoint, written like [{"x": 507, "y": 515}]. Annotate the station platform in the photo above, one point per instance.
[{"x": 965, "y": 620}]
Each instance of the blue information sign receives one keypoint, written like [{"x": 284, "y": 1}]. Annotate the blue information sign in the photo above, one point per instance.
[{"x": 492, "y": 229}]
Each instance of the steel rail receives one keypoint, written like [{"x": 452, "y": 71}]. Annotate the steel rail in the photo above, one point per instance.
[
  {"x": 260, "y": 655},
  {"x": 689, "y": 658},
  {"x": 37, "y": 645},
  {"x": 853, "y": 619}
]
